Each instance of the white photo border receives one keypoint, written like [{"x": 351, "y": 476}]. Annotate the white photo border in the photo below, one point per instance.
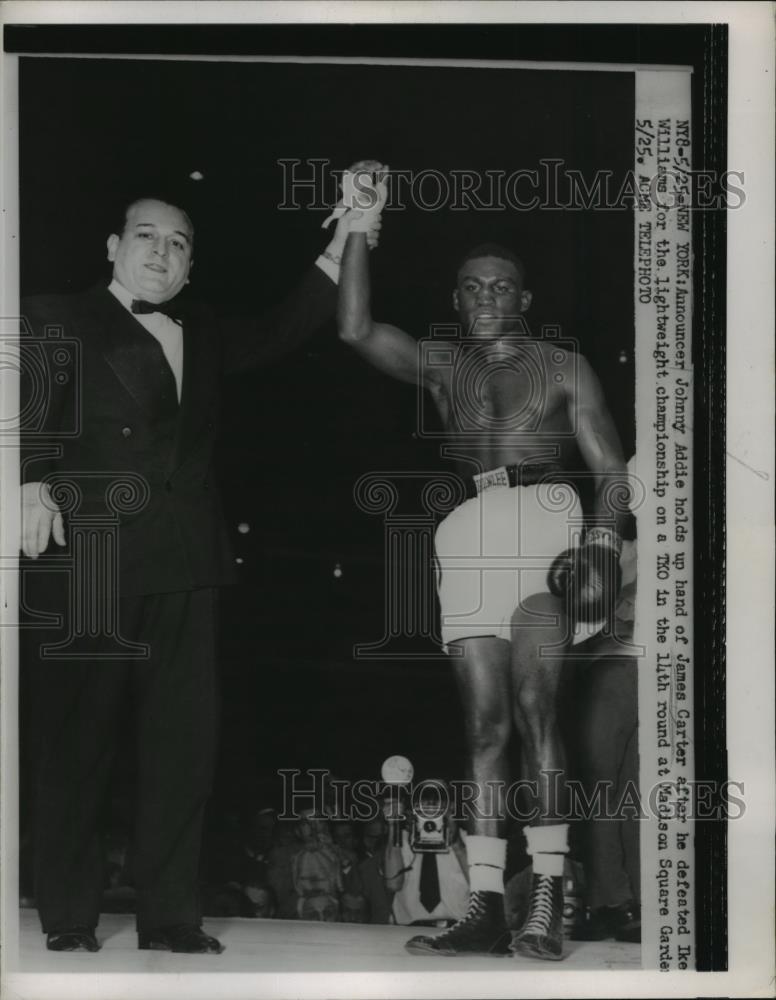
[{"x": 749, "y": 519}]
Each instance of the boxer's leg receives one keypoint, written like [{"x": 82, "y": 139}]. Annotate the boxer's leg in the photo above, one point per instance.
[
  {"x": 539, "y": 642},
  {"x": 482, "y": 678},
  {"x": 540, "y": 636}
]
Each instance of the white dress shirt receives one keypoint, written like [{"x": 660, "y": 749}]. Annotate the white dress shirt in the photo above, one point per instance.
[{"x": 453, "y": 888}]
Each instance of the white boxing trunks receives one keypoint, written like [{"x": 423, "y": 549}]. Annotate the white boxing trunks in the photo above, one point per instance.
[{"x": 495, "y": 550}]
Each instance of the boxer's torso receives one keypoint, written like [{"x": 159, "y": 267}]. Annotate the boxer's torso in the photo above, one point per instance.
[{"x": 505, "y": 402}]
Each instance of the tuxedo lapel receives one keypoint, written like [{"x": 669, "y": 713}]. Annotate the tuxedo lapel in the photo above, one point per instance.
[
  {"x": 200, "y": 376},
  {"x": 134, "y": 355}
]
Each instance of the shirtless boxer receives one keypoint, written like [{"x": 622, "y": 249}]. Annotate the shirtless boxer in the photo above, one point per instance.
[{"x": 516, "y": 409}]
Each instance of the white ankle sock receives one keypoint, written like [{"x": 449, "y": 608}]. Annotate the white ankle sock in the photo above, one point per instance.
[
  {"x": 547, "y": 846},
  {"x": 548, "y": 864},
  {"x": 487, "y": 858}
]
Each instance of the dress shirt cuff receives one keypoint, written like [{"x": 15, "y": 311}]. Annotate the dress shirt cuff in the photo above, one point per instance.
[{"x": 329, "y": 268}]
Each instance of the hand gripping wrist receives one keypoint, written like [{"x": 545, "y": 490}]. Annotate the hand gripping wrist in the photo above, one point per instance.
[{"x": 364, "y": 192}]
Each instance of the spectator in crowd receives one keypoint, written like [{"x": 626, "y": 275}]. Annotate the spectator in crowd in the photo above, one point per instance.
[
  {"x": 429, "y": 886},
  {"x": 344, "y": 837},
  {"x": 261, "y": 829},
  {"x": 262, "y": 899},
  {"x": 279, "y": 868},
  {"x": 373, "y": 836},
  {"x": 353, "y": 905},
  {"x": 257, "y": 842},
  {"x": 378, "y": 898},
  {"x": 317, "y": 870}
]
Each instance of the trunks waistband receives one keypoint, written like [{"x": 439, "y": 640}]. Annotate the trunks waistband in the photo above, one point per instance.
[{"x": 515, "y": 475}]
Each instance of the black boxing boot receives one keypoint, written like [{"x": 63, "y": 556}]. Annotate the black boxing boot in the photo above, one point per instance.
[
  {"x": 541, "y": 936},
  {"x": 483, "y": 931}
]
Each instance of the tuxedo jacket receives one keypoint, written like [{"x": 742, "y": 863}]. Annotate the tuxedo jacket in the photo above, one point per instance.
[{"x": 101, "y": 423}]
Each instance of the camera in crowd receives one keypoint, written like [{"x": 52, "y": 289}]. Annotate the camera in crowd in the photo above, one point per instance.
[
  {"x": 431, "y": 829},
  {"x": 423, "y": 809}
]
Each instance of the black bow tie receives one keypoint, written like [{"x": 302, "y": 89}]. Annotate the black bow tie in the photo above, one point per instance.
[{"x": 171, "y": 308}]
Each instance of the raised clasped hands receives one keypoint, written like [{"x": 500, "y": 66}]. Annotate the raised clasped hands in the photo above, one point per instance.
[{"x": 364, "y": 194}]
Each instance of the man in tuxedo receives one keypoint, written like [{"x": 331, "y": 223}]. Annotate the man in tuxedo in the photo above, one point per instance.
[{"x": 134, "y": 598}]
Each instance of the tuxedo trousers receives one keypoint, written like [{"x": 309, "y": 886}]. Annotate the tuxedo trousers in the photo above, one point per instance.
[{"x": 78, "y": 695}]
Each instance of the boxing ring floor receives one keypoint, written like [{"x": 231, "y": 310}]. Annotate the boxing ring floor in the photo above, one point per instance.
[{"x": 293, "y": 946}]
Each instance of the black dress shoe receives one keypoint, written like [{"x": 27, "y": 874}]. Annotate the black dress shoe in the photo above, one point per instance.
[
  {"x": 618, "y": 923},
  {"x": 72, "y": 939},
  {"x": 187, "y": 938},
  {"x": 625, "y": 922},
  {"x": 593, "y": 927}
]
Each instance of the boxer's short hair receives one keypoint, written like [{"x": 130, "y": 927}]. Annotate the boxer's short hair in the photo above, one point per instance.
[{"x": 493, "y": 250}]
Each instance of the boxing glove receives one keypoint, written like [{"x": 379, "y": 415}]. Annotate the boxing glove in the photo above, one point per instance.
[{"x": 589, "y": 579}]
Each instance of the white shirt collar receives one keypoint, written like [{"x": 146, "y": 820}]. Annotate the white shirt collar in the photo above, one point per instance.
[{"x": 121, "y": 293}]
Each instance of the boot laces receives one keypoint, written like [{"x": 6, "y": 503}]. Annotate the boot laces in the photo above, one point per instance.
[
  {"x": 540, "y": 913},
  {"x": 476, "y": 909}
]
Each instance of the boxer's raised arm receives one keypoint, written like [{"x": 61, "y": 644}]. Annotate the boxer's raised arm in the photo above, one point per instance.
[{"x": 386, "y": 347}]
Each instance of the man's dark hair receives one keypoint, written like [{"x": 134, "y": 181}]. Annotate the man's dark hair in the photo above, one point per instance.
[
  {"x": 494, "y": 250},
  {"x": 122, "y": 211}
]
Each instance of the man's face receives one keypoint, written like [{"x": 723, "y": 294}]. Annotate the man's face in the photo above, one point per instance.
[
  {"x": 489, "y": 296},
  {"x": 152, "y": 257}
]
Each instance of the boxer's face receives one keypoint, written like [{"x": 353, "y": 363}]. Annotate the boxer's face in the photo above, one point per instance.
[
  {"x": 489, "y": 296},
  {"x": 152, "y": 257}
]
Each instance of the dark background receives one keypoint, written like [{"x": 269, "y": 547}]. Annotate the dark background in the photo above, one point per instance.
[
  {"x": 704, "y": 48},
  {"x": 298, "y": 435}
]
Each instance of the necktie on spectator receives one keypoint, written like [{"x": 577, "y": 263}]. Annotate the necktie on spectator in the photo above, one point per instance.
[
  {"x": 430, "y": 896},
  {"x": 143, "y": 308}
]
